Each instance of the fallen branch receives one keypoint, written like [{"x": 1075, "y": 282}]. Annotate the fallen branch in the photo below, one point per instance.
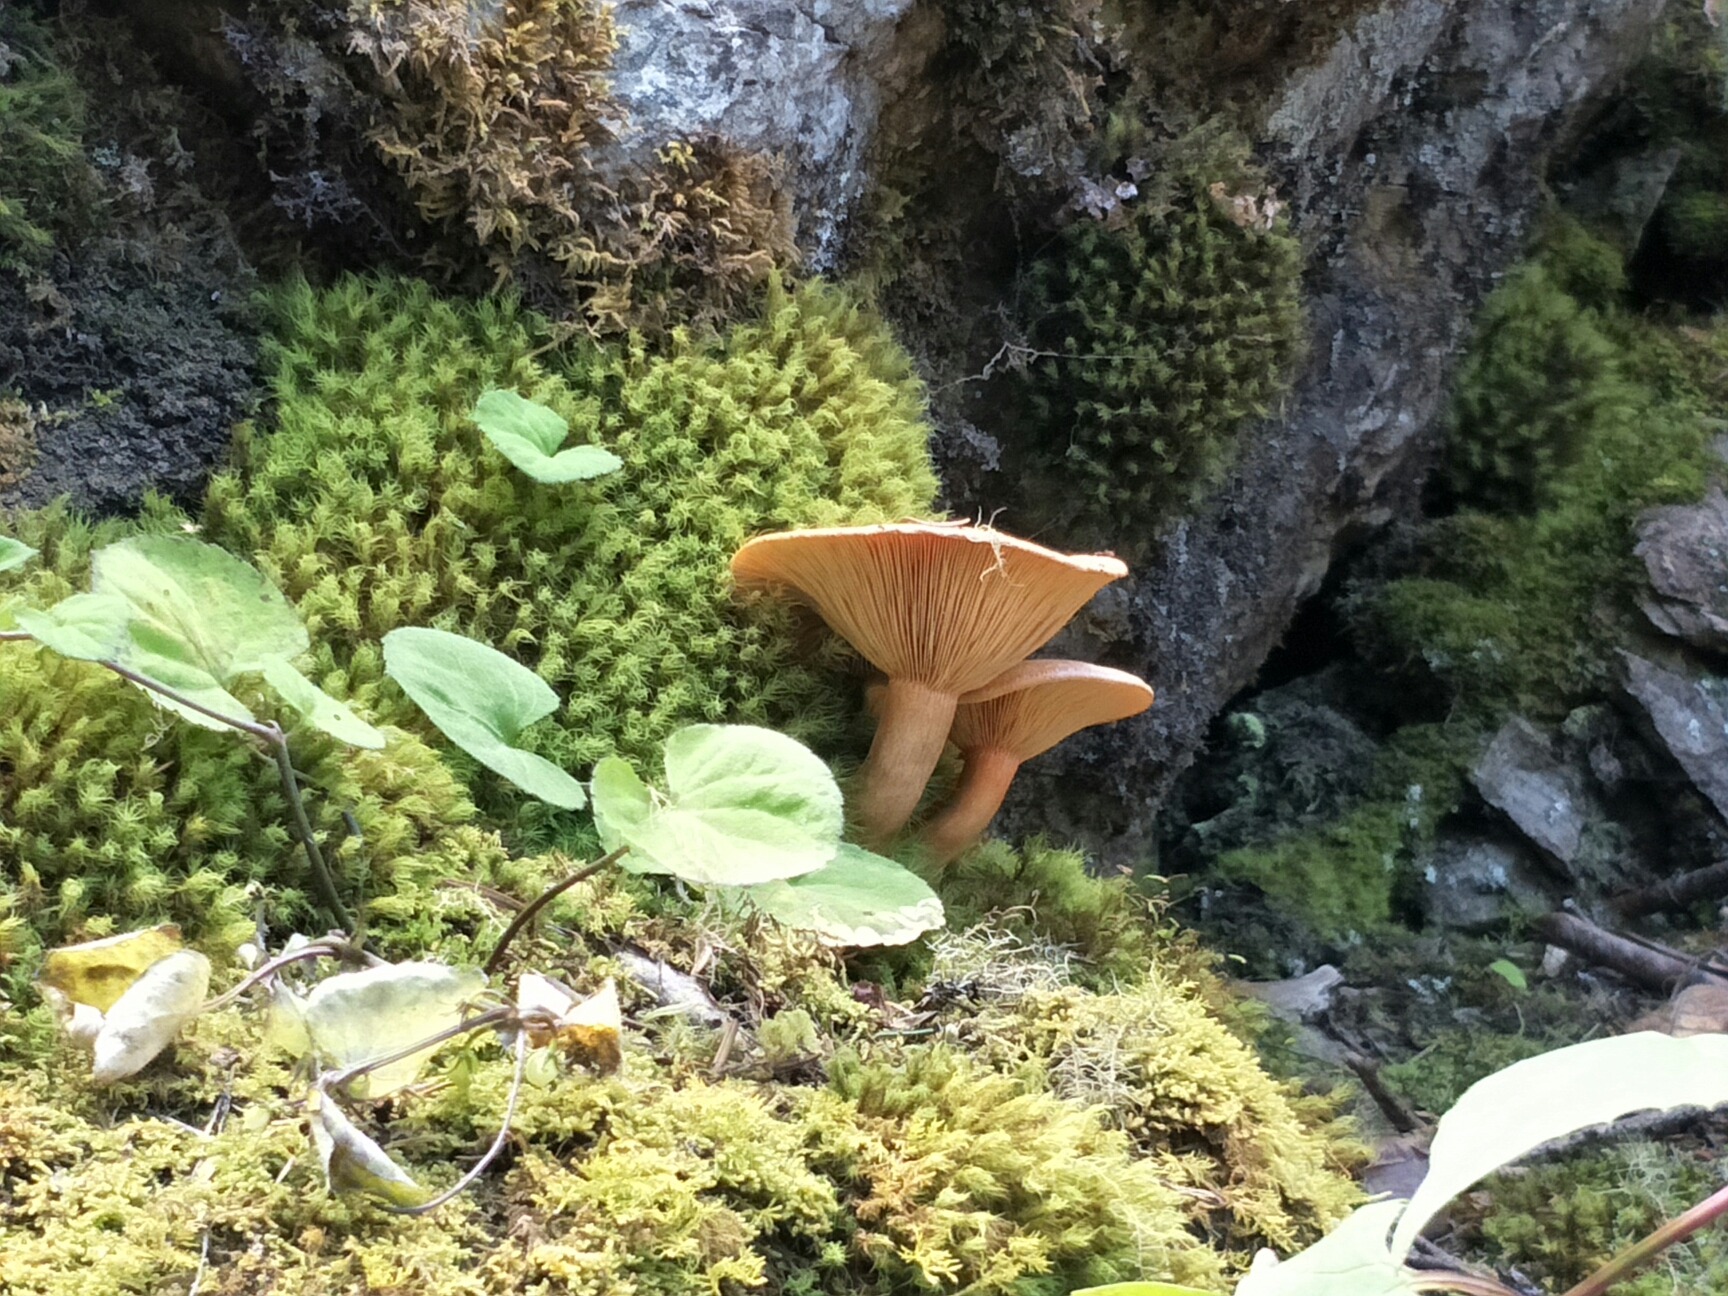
[
  {"x": 1653, "y": 966},
  {"x": 1676, "y": 892}
]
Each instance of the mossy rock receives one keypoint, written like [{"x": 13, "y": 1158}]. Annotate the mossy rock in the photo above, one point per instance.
[{"x": 1153, "y": 344}]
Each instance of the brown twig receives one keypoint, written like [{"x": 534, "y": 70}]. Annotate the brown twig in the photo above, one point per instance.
[
  {"x": 522, "y": 919},
  {"x": 1675, "y": 893},
  {"x": 1656, "y": 967}
]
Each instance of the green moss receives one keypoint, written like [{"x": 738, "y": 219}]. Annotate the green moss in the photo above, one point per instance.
[
  {"x": 1340, "y": 878},
  {"x": 1570, "y": 419},
  {"x": 1557, "y": 1223},
  {"x": 1453, "y": 1060},
  {"x": 1267, "y": 1166},
  {"x": 375, "y": 502},
  {"x": 976, "y": 1181},
  {"x": 1156, "y": 342},
  {"x": 47, "y": 188}
]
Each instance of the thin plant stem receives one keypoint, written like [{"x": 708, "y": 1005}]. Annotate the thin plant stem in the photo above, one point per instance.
[
  {"x": 540, "y": 901},
  {"x": 491, "y": 1017},
  {"x": 157, "y": 686},
  {"x": 491, "y": 1152},
  {"x": 1641, "y": 1253},
  {"x": 303, "y": 827},
  {"x": 333, "y": 946},
  {"x": 1453, "y": 1281}
]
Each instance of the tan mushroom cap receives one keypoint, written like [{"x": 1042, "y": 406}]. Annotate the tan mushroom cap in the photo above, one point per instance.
[
  {"x": 1031, "y": 707},
  {"x": 948, "y": 605},
  {"x": 941, "y": 608},
  {"x": 1027, "y": 709}
]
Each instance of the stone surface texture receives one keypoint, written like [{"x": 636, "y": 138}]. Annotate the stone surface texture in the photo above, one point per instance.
[
  {"x": 1413, "y": 158},
  {"x": 802, "y": 81},
  {"x": 1689, "y": 712},
  {"x": 1685, "y": 551}
]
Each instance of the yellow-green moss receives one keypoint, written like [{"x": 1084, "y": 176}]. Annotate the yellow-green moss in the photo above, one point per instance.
[
  {"x": 375, "y": 502},
  {"x": 1268, "y": 1166}
]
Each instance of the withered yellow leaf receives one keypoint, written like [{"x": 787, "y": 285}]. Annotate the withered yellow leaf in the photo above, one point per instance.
[{"x": 99, "y": 971}]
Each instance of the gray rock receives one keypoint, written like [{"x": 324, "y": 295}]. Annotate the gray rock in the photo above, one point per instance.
[
  {"x": 1685, "y": 551},
  {"x": 1545, "y": 799},
  {"x": 1474, "y": 884},
  {"x": 1625, "y": 193},
  {"x": 803, "y": 80},
  {"x": 1413, "y": 159},
  {"x": 1296, "y": 999},
  {"x": 1545, "y": 788},
  {"x": 1689, "y": 712}
]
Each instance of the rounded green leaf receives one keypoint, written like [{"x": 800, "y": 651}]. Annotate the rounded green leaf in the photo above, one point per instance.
[
  {"x": 318, "y": 708},
  {"x": 14, "y": 553},
  {"x": 743, "y": 805},
  {"x": 480, "y": 700},
  {"x": 528, "y": 435},
  {"x": 856, "y": 899},
  {"x": 1351, "y": 1260},
  {"x": 88, "y": 627}
]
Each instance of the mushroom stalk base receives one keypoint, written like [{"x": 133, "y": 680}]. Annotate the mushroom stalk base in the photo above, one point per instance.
[
  {"x": 989, "y": 771},
  {"x": 910, "y": 736}
]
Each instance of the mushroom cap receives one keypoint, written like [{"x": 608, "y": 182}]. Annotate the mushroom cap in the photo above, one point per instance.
[
  {"x": 1031, "y": 707},
  {"x": 947, "y": 606}
]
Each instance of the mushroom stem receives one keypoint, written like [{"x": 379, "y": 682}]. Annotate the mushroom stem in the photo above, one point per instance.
[
  {"x": 977, "y": 798},
  {"x": 910, "y": 736}
]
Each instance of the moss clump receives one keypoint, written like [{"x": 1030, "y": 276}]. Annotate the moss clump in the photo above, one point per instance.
[
  {"x": 1456, "y": 1058},
  {"x": 376, "y": 503},
  {"x": 1268, "y": 1166},
  {"x": 48, "y": 186},
  {"x": 1154, "y": 343},
  {"x": 1517, "y": 599},
  {"x": 981, "y": 1182},
  {"x": 1558, "y": 1223}
]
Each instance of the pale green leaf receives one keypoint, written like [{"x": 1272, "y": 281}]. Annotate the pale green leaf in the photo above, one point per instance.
[
  {"x": 317, "y": 707},
  {"x": 146, "y": 1018},
  {"x": 88, "y": 627},
  {"x": 743, "y": 805},
  {"x": 480, "y": 700},
  {"x": 1510, "y": 973},
  {"x": 355, "y": 1017},
  {"x": 1505, "y": 1115},
  {"x": 197, "y": 606},
  {"x": 353, "y": 1162},
  {"x": 856, "y": 899},
  {"x": 14, "y": 553},
  {"x": 1351, "y": 1260},
  {"x": 528, "y": 435}
]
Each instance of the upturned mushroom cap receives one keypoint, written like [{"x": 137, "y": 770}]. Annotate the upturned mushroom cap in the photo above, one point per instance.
[
  {"x": 948, "y": 605},
  {"x": 1031, "y": 707},
  {"x": 1027, "y": 709},
  {"x": 941, "y": 608}
]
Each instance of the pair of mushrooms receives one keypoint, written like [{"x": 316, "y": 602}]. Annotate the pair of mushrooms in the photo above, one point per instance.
[{"x": 949, "y": 612}]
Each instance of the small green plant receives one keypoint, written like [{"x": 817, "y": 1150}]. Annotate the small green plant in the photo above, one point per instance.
[{"x": 184, "y": 621}]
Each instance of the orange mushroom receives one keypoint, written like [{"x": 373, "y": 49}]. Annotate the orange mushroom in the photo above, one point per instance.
[
  {"x": 1027, "y": 709},
  {"x": 941, "y": 609}
]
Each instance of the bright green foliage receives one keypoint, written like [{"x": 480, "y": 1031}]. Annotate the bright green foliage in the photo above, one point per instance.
[
  {"x": 967, "y": 1178},
  {"x": 47, "y": 183},
  {"x": 742, "y": 805},
  {"x": 1158, "y": 342},
  {"x": 528, "y": 435},
  {"x": 1573, "y": 416},
  {"x": 1453, "y": 1060},
  {"x": 480, "y": 700},
  {"x": 376, "y": 503}
]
